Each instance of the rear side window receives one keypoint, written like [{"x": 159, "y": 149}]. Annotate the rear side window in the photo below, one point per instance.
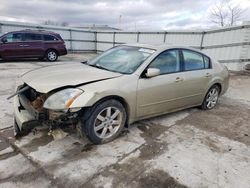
[
  {"x": 192, "y": 60},
  {"x": 32, "y": 37},
  {"x": 49, "y": 38},
  {"x": 206, "y": 62}
]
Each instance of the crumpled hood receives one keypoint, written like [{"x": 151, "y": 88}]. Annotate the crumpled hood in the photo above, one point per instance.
[{"x": 49, "y": 78}]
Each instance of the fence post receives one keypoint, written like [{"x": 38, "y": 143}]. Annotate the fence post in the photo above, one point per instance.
[
  {"x": 95, "y": 41},
  {"x": 165, "y": 35},
  {"x": 202, "y": 38},
  {"x": 70, "y": 40},
  {"x": 138, "y": 37},
  {"x": 1, "y": 29},
  {"x": 114, "y": 38}
]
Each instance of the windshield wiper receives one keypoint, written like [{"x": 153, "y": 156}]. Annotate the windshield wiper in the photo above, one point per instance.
[
  {"x": 101, "y": 67},
  {"x": 98, "y": 66}
]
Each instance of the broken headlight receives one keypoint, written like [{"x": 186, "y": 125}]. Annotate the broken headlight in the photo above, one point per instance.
[{"x": 63, "y": 99}]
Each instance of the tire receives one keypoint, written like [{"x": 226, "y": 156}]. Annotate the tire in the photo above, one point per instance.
[
  {"x": 104, "y": 121},
  {"x": 51, "y": 55},
  {"x": 211, "y": 98}
]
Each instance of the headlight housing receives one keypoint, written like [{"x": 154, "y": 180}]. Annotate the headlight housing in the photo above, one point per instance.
[{"x": 63, "y": 99}]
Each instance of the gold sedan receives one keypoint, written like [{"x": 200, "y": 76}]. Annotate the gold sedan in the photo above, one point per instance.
[{"x": 124, "y": 84}]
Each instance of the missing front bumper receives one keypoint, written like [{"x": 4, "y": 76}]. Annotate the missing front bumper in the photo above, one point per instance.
[
  {"x": 24, "y": 119},
  {"x": 27, "y": 117}
]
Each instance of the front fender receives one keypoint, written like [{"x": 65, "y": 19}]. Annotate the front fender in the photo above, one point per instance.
[{"x": 86, "y": 99}]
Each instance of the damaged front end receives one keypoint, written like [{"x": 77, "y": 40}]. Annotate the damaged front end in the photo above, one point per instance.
[{"x": 32, "y": 109}]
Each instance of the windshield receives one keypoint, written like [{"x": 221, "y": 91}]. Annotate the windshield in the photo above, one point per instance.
[{"x": 122, "y": 59}]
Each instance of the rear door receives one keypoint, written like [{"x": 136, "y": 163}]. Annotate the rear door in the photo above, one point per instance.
[
  {"x": 33, "y": 45},
  {"x": 51, "y": 41},
  {"x": 12, "y": 46},
  {"x": 196, "y": 75}
]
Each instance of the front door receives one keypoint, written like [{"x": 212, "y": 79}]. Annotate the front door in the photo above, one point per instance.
[
  {"x": 164, "y": 92},
  {"x": 12, "y": 45}
]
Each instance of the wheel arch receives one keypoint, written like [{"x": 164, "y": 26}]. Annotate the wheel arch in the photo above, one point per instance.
[
  {"x": 119, "y": 99},
  {"x": 219, "y": 85},
  {"x": 216, "y": 84},
  {"x": 53, "y": 50},
  {"x": 109, "y": 97}
]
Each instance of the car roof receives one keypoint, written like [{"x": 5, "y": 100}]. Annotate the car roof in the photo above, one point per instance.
[
  {"x": 34, "y": 31},
  {"x": 162, "y": 47}
]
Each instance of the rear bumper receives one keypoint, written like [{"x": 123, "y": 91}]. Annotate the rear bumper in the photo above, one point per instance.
[{"x": 62, "y": 52}]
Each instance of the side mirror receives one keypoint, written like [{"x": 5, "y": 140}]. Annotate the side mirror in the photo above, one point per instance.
[
  {"x": 152, "y": 72},
  {"x": 4, "y": 40}
]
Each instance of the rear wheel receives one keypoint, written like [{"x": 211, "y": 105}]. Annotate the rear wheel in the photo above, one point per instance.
[
  {"x": 211, "y": 98},
  {"x": 51, "y": 55},
  {"x": 105, "y": 121}
]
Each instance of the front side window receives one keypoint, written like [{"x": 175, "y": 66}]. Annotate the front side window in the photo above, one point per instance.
[
  {"x": 122, "y": 59},
  {"x": 192, "y": 60},
  {"x": 50, "y": 38},
  {"x": 167, "y": 62},
  {"x": 14, "y": 37},
  {"x": 32, "y": 37}
]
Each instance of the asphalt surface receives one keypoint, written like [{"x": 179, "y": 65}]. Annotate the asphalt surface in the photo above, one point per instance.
[{"x": 189, "y": 148}]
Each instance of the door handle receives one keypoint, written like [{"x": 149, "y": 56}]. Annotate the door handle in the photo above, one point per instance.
[
  {"x": 208, "y": 75},
  {"x": 178, "y": 79}
]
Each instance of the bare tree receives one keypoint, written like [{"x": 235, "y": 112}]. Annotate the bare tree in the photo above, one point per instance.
[
  {"x": 225, "y": 14},
  {"x": 218, "y": 14},
  {"x": 235, "y": 13}
]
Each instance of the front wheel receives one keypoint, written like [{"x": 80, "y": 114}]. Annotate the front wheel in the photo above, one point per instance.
[
  {"x": 211, "y": 98},
  {"x": 51, "y": 55},
  {"x": 105, "y": 122}
]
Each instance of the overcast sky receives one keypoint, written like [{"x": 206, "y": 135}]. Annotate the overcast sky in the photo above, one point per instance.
[{"x": 133, "y": 14}]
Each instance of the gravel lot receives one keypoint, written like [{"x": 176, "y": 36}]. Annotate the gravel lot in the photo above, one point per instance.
[{"x": 190, "y": 148}]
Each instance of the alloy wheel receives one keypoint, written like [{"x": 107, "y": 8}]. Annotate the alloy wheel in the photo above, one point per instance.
[
  {"x": 107, "y": 122},
  {"x": 212, "y": 98},
  {"x": 52, "y": 56}
]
